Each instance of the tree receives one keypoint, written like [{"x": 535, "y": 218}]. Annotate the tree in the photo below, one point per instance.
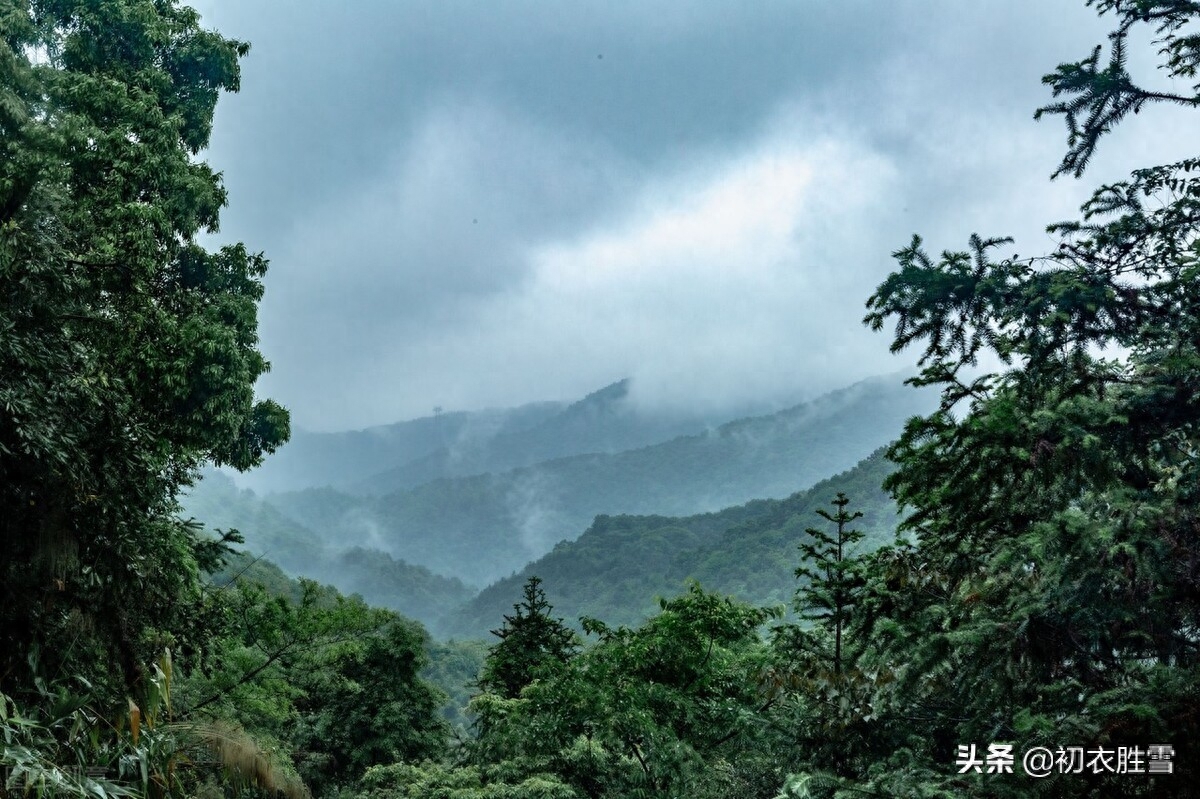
[
  {"x": 834, "y": 578},
  {"x": 670, "y": 708},
  {"x": 365, "y": 705},
  {"x": 1052, "y": 595},
  {"x": 828, "y": 699},
  {"x": 128, "y": 353},
  {"x": 532, "y": 643}
]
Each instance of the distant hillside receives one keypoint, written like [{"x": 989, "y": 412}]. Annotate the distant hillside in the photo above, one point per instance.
[
  {"x": 380, "y": 460},
  {"x": 621, "y": 564},
  {"x": 414, "y": 591},
  {"x": 485, "y": 527},
  {"x": 603, "y": 422},
  {"x": 343, "y": 459}
]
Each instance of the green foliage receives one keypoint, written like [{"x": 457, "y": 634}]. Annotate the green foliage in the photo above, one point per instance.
[
  {"x": 128, "y": 354},
  {"x": 434, "y": 781},
  {"x": 532, "y": 644},
  {"x": 1051, "y": 594},
  {"x": 662, "y": 709},
  {"x": 834, "y": 577},
  {"x": 331, "y": 683},
  {"x": 66, "y": 747},
  {"x": 1099, "y": 98},
  {"x": 364, "y": 705},
  {"x": 620, "y": 565},
  {"x": 35, "y": 753},
  {"x": 454, "y": 667}
]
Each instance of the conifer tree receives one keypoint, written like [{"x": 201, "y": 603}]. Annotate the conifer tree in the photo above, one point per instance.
[
  {"x": 531, "y": 644},
  {"x": 1051, "y": 597},
  {"x": 833, "y": 576}
]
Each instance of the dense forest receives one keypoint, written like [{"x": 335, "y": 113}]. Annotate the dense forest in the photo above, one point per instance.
[{"x": 1017, "y": 572}]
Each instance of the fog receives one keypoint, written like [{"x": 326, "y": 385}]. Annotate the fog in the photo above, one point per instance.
[{"x": 470, "y": 206}]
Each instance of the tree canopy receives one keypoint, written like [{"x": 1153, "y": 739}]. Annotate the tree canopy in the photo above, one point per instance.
[
  {"x": 129, "y": 352},
  {"x": 1046, "y": 591},
  {"x": 1055, "y": 501}
]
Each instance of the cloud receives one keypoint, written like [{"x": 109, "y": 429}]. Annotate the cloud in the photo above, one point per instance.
[
  {"x": 727, "y": 281},
  {"x": 469, "y": 205},
  {"x": 391, "y": 262}
]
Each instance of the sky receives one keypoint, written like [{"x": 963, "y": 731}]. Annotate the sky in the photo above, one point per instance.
[{"x": 471, "y": 205}]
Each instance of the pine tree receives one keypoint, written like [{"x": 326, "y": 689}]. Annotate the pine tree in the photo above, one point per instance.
[
  {"x": 531, "y": 644},
  {"x": 1052, "y": 594},
  {"x": 833, "y": 577}
]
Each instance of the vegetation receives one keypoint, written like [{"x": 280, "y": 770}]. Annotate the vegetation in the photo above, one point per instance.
[
  {"x": 355, "y": 567},
  {"x": 127, "y": 360},
  {"x": 129, "y": 352},
  {"x": 485, "y": 527},
  {"x": 1044, "y": 592},
  {"x": 619, "y": 567},
  {"x": 532, "y": 644}
]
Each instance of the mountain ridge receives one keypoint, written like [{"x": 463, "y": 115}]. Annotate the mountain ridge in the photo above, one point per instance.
[
  {"x": 620, "y": 565},
  {"x": 483, "y": 527}
]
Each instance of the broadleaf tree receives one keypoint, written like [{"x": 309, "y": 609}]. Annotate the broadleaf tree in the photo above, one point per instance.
[{"x": 128, "y": 351}]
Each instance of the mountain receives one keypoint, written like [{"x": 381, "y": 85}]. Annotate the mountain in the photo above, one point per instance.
[
  {"x": 605, "y": 421},
  {"x": 618, "y": 568},
  {"x": 382, "y": 580},
  {"x": 383, "y": 459},
  {"x": 343, "y": 459},
  {"x": 484, "y": 527}
]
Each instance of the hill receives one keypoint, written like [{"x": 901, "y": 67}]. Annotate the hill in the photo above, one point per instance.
[
  {"x": 342, "y": 459},
  {"x": 484, "y": 527},
  {"x": 380, "y": 579},
  {"x": 387, "y": 458},
  {"x": 605, "y": 421},
  {"x": 618, "y": 568}
]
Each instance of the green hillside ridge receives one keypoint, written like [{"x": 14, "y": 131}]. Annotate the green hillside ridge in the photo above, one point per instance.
[
  {"x": 621, "y": 565},
  {"x": 353, "y": 567},
  {"x": 452, "y": 666},
  {"x": 486, "y": 527}
]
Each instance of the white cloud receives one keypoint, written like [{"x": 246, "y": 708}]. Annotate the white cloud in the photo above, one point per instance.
[
  {"x": 470, "y": 207},
  {"x": 728, "y": 283}
]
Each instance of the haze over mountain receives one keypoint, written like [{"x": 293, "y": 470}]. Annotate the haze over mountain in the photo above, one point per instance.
[
  {"x": 607, "y": 524},
  {"x": 616, "y": 570},
  {"x": 621, "y": 565},
  {"x": 379, "y": 460},
  {"x": 380, "y": 579},
  {"x": 486, "y": 526},
  {"x": 327, "y": 459},
  {"x": 604, "y": 421}
]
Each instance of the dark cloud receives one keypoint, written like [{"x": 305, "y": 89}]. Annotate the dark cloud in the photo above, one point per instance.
[{"x": 474, "y": 204}]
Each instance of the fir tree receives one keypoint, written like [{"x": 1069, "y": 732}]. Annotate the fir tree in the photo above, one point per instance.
[
  {"x": 1052, "y": 593},
  {"x": 531, "y": 644},
  {"x": 834, "y": 578}
]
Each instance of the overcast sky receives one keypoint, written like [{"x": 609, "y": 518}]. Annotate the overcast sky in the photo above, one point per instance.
[{"x": 480, "y": 204}]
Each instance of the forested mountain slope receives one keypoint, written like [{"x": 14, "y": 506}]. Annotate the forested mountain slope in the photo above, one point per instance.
[
  {"x": 485, "y": 527},
  {"x": 319, "y": 459},
  {"x": 603, "y": 421},
  {"x": 621, "y": 565},
  {"x": 354, "y": 567}
]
